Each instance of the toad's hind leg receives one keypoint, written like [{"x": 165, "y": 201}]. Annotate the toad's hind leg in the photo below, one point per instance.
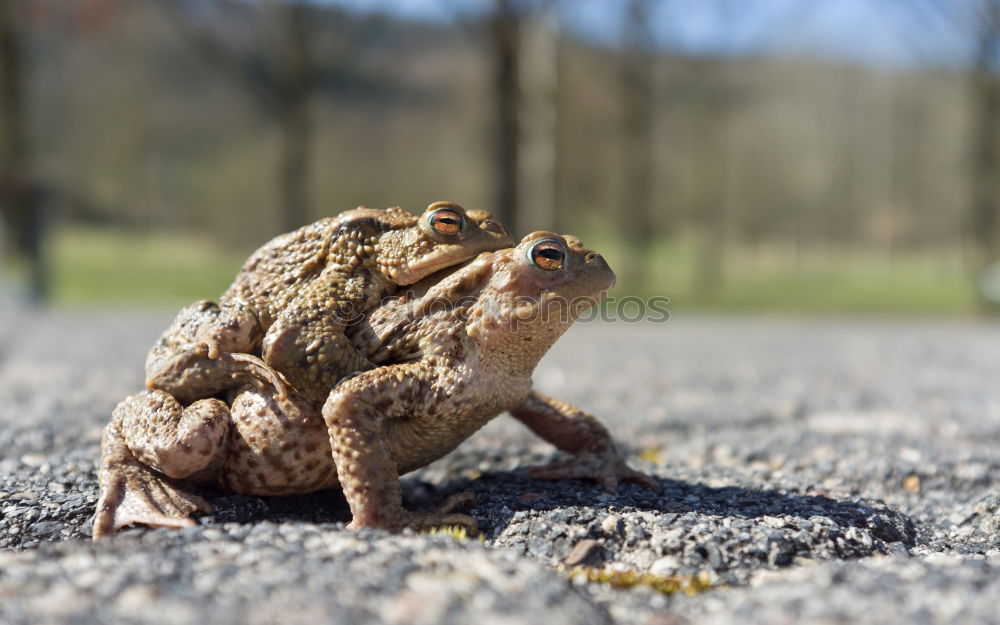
[
  {"x": 151, "y": 439},
  {"x": 131, "y": 492},
  {"x": 170, "y": 438}
]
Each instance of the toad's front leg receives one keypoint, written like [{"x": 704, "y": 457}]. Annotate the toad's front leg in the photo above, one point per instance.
[
  {"x": 307, "y": 344},
  {"x": 199, "y": 354},
  {"x": 358, "y": 415},
  {"x": 312, "y": 353},
  {"x": 579, "y": 433}
]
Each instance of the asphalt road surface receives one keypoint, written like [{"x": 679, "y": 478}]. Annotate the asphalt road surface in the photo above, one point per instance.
[{"x": 821, "y": 471}]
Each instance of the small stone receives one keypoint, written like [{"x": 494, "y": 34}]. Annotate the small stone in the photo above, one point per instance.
[
  {"x": 912, "y": 483},
  {"x": 714, "y": 556},
  {"x": 582, "y": 552},
  {"x": 897, "y": 549},
  {"x": 612, "y": 525},
  {"x": 133, "y": 599},
  {"x": 32, "y": 460},
  {"x": 46, "y": 529},
  {"x": 539, "y": 547},
  {"x": 943, "y": 559},
  {"x": 665, "y": 566}
]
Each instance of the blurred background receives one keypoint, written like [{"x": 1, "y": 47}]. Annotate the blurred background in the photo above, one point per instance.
[{"x": 777, "y": 155}]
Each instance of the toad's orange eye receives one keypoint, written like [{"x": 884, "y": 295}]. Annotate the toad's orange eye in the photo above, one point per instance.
[
  {"x": 547, "y": 254},
  {"x": 446, "y": 221}
]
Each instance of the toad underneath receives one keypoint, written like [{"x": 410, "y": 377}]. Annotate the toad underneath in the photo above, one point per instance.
[{"x": 454, "y": 352}]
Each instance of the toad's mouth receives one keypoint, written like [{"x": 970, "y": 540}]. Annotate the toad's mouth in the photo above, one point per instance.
[
  {"x": 436, "y": 261},
  {"x": 448, "y": 258}
]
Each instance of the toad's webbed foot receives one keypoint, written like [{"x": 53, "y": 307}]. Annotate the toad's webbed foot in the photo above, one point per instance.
[
  {"x": 464, "y": 498},
  {"x": 444, "y": 516},
  {"x": 577, "y": 432},
  {"x": 420, "y": 521},
  {"x": 607, "y": 468}
]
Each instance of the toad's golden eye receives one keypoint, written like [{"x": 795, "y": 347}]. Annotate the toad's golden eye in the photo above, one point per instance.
[
  {"x": 446, "y": 221},
  {"x": 547, "y": 254}
]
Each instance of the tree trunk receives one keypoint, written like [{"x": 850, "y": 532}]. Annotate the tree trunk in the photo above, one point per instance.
[
  {"x": 20, "y": 196},
  {"x": 717, "y": 198},
  {"x": 539, "y": 131},
  {"x": 505, "y": 31},
  {"x": 985, "y": 197},
  {"x": 638, "y": 100},
  {"x": 294, "y": 167},
  {"x": 293, "y": 87}
]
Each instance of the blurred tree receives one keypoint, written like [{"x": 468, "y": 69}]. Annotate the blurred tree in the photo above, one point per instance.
[
  {"x": 293, "y": 82},
  {"x": 515, "y": 136},
  {"x": 20, "y": 193},
  {"x": 723, "y": 102},
  {"x": 984, "y": 213},
  {"x": 505, "y": 36},
  {"x": 638, "y": 101},
  {"x": 763, "y": 157},
  {"x": 712, "y": 205},
  {"x": 280, "y": 78},
  {"x": 539, "y": 85},
  {"x": 282, "y": 74}
]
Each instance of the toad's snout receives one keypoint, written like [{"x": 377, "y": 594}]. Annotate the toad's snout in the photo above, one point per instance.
[{"x": 595, "y": 263}]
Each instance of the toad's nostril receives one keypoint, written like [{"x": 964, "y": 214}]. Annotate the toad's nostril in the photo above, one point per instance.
[
  {"x": 491, "y": 225},
  {"x": 591, "y": 257}
]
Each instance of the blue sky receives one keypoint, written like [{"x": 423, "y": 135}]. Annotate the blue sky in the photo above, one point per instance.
[{"x": 875, "y": 32}]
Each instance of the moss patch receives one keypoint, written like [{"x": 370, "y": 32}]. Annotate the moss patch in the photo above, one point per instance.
[{"x": 666, "y": 584}]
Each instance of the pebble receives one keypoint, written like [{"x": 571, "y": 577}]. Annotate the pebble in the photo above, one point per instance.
[
  {"x": 612, "y": 525},
  {"x": 582, "y": 552}
]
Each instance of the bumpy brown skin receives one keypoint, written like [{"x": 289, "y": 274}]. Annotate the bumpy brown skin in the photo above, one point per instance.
[
  {"x": 466, "y": 348},
  {"x": 291, "y": 301},
  {"x": 295, "y": 295},
  {"x": 455, "y": 351}
]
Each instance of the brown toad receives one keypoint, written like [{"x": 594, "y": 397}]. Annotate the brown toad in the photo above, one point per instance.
[
  {"x": 454, "y": 352},
  {"x": 292, "y": 299}
]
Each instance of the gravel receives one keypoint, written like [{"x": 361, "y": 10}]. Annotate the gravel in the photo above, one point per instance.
[{"x": 819, "y": 471}]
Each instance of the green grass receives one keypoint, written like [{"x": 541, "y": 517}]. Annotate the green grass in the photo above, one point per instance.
[
  {"x": 96, "y": 266},
  {"x": 774, "y": 280},
  {"x": 832, "y": 292},
  {"x": 101, "y": 266}
]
